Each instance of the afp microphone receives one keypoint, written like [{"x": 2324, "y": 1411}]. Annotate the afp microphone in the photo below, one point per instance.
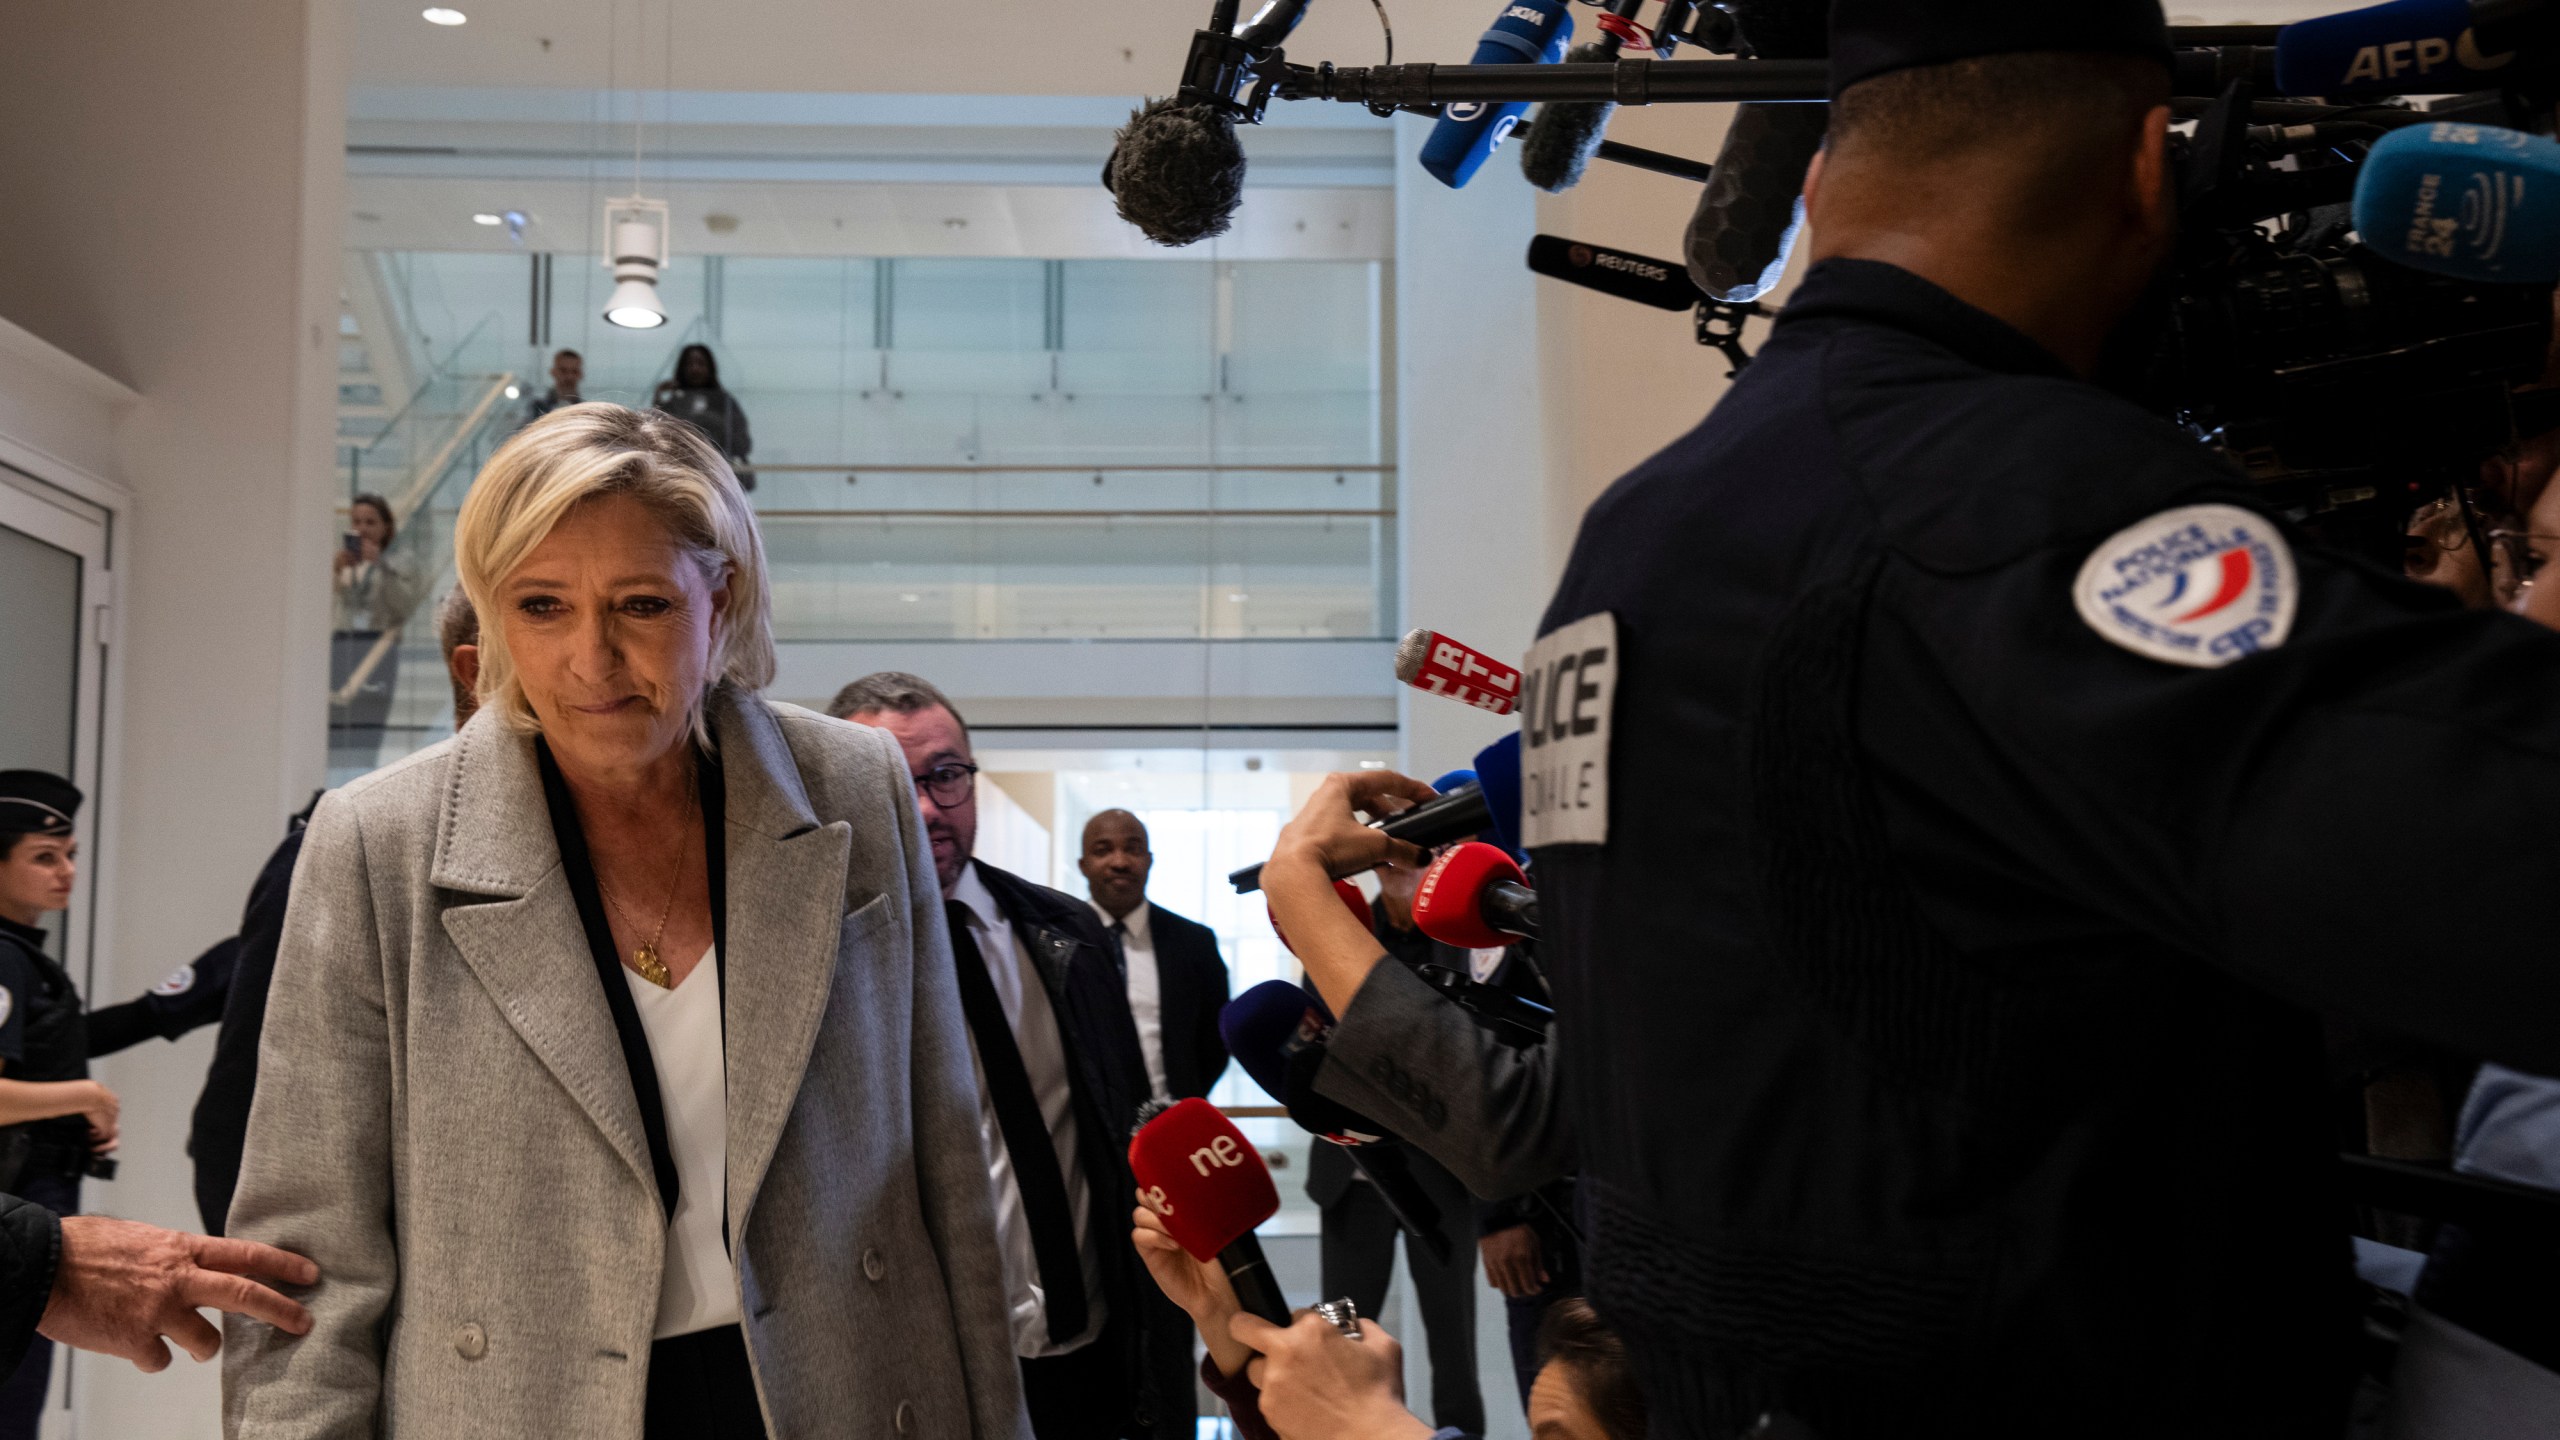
[
  {"x": 2423, "y": 47},
  {"x": 1476, "y": 898},
  {"x": 2473, "y": 202},
  {"x": 1529, "y": 32},
  {"x": 1429, "y": 660},
  {"x": 1196, "y": 1170}
]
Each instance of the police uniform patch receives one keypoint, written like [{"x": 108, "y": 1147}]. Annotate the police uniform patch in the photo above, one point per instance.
[
  {"x": 2202, "y": 585},
  {"x": 8, "y": 1004},
  {"x": 180, "y": 981}
]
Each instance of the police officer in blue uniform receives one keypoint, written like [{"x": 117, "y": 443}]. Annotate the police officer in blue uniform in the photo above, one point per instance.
[{"x": 1954, "y": 793}]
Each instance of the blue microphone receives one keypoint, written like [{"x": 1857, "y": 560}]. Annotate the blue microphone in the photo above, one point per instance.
[
  {"x": 2473, "y": 202},
  {"x": 2421, "y": 47},
  {"x": 1530, "y": 32}
]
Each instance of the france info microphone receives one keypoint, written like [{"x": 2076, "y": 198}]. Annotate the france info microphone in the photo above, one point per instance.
[
  {"x": 2473, "y": 202},
  {"x": 1476, "y": 898},
  {"x": 2423, "y": 47},
  {"x": 1199, "y": 1174},
  {"x": 1457, "y": 815},
  {"x": 1429, "y": 660},
  {"x": 1662, "y": 284},
  {"x": 1530, "y": 32}
]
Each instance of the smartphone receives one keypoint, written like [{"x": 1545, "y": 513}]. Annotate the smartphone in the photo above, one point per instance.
[{"x": 354, "y": 543}]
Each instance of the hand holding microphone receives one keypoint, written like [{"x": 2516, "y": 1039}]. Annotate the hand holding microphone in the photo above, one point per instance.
[{"x": 1209, "y": 1187}]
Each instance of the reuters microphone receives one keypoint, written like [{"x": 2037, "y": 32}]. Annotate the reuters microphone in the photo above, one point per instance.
[
  {"x": 1208, "y": 1184},
  {"x": 1429, "y": 660}
]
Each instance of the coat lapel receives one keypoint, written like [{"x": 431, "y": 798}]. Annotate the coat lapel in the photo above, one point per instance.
[
  {"x": 528, "y": 948},
  {"x": 786, "y": 917}
]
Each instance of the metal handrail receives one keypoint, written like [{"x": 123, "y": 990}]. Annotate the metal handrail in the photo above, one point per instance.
[{"x": 433, "y": 375}]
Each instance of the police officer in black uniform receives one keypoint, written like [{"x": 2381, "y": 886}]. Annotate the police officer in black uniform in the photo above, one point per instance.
[
  {"x": 1954, "y": 792},
  {"x": 66, "y": 1121}
]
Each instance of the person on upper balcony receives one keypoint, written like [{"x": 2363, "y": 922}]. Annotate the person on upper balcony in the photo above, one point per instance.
[{"x": 695, "y": 397}]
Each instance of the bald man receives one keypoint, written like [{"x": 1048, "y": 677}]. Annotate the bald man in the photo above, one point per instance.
[{"x": 1176, "y": 981}]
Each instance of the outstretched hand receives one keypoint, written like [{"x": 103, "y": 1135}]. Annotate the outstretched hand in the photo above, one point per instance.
[
  {"x": 122, "y": 1285},
  {"x": 1328, "y": 832},
  {"x": 1320, "y": 1384}
]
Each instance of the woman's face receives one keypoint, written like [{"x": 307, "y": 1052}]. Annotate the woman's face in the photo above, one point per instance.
[
  {"x": 610, "y": 623},
  {"x": 370, "y": 524},
  {"x": 36, "y": 876},
  {"x": 694, "y": 370}
]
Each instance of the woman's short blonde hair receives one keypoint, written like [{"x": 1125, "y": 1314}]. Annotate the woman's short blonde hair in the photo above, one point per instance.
[{"x": 586, "y": 452}]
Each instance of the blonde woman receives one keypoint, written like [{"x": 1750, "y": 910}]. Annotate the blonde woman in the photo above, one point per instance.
[{"x": 614, "y": 1073}]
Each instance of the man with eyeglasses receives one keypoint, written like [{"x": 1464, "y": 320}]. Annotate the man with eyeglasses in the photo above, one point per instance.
[{"x": 1060, "y": 1077}]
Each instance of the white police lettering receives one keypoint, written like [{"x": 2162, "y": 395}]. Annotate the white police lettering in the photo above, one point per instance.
[
  {"x": 180, "y": 981},
  {"x": 1567, "y": 689},
  {"x": 1217, "y": 1154},
  {"x": 2202, "y": 585}
]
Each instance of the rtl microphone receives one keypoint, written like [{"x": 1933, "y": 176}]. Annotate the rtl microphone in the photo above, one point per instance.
[
  {"x": 2405, "y": 47},
  {"x": 1429, "y": 660},
  {"x": 1196, "y": 1170},
  {"x": 2474, "y": 202},
  {"x": 1476, "y": 898},
  {"x": 1530, "y": 32},
  {"x": 1662, "y": 284}
]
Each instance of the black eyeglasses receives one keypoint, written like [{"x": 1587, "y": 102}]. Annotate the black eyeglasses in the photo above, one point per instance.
[{"x": 949, "y": 784}]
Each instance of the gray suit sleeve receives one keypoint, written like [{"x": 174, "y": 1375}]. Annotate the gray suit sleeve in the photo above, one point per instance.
[
  {"x": 951, "y": 1161},
  {"x": 316, "y": 1174},
  {"x": 1410, "y": 1059}
]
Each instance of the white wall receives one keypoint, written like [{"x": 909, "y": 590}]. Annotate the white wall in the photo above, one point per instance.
[{"x": 169, "y": 182}]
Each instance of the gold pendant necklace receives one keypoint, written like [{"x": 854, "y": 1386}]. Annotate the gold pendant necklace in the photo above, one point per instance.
[{"x": 645, "y": 959}]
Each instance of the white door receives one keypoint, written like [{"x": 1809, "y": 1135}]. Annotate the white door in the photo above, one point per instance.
[{"x": 54, "y": 589}]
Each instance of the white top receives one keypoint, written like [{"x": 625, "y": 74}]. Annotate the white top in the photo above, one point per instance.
[
  {"x": 1044, "y": 1056},
  {"x": 699, "y": 1288},
  {"x": 1146, "y": 987}
]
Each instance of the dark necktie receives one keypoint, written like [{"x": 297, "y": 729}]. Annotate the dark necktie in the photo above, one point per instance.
[
  {"x": 1120, "y": 949},
  {"x": 1026, "y": 1135}
]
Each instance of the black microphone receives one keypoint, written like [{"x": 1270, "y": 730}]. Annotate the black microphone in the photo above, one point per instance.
[
  {"x": 1746, "y": 222},
  {"x": 1565, "y": 134},
  {"x": 1457, "y": 815},
  {"x": 1177, "y": 169},
  {"x": 1662, "y": 284}
]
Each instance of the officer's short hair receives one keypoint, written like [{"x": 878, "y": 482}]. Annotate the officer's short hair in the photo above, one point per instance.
[
  {"x": 1574, "y": 1336},
  {"x": 2068, "y": 111},
  {"x": 457, "y": 625},
  {"x": 893, "y": 691}
]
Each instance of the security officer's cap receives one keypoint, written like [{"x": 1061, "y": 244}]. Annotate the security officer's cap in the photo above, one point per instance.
[
  {"x": 35, "y": 803},
  {"x": 1876, "y": 37}
]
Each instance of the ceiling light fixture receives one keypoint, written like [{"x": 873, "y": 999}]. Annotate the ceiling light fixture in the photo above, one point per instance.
[
  {"x": 442, "y": 15},
  {"x": 487, "y": 217},
  {"x": 639, "y": 231}
]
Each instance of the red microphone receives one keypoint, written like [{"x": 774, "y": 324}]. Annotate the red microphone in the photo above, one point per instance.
[
  {"x": 1475, "y": 897},
  {"x": 1429, "y": 660},
  {"x": 1352, "y": 900},
  {"x": 1199, "y": 1174}
]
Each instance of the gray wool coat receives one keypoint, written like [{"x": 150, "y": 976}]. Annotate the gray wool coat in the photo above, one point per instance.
[{"x": 444, "y": 1121}]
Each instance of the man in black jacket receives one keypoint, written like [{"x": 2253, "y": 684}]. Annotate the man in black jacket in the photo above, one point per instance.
[
  {"x": 1169, "y": 964},
  {"x": 1061, "y": 1079}
]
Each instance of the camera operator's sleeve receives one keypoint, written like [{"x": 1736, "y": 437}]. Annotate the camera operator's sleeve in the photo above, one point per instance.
[
  {"x": 1408, "y": 1057},
  {"x": 2348, "y": 805},
  {"x": 30, "y": 1254}
]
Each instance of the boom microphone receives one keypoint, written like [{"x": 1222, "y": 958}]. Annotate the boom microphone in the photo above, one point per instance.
[
  {"x": 1662, "y": 284},
  {"x": 1177, "y": 171},
  {"x": 2474, "y": 202},
  {"x": 2407, "y": 46},
  {"x": 1429, "y": 660},
  {"x": 1746, "y": 222},
  {"x": 1530, "y": 32},
  {"x": 1476, "y": 898},
  {"x": 1198, "y": 1172},
  {"x": 1565, "y": 134}
]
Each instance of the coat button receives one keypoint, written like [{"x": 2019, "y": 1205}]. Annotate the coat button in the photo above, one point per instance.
[
  {"x": 873, "y": 1266},
  {"x": 906, "y": 1417},
  {"x": 470, "y": 1341}
]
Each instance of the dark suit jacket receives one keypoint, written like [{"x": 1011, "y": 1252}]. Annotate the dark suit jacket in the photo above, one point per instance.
[
  {"x": 1191, "y": 988},
  {"x": 1072, "y": 952},
  {"x": 221, "y": 1125}
]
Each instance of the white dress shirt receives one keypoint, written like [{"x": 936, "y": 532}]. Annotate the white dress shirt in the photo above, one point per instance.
[
  {"x": 1146, "y": 988},
  {"x": 698, "y": 1289},
  {"x": 1044, "y": 1056}
]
